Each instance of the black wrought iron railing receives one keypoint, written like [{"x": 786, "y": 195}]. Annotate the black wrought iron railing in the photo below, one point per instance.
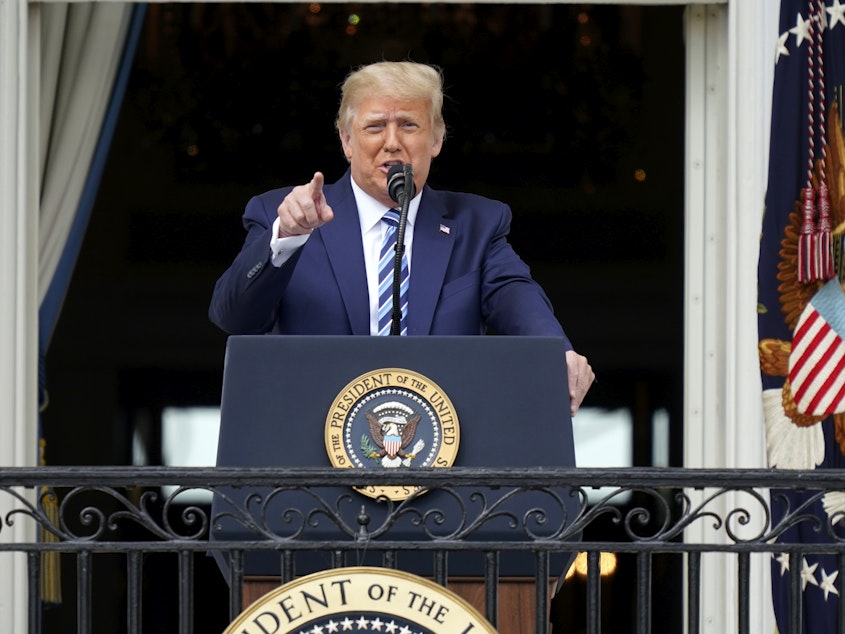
[{"x": 487, "y": 523}]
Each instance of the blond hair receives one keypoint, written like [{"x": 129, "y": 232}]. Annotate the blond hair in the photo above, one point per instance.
[{"x": 409, "y": 81}]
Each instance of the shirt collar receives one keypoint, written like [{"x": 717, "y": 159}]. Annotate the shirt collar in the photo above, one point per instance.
[{"x": 370, "y": 211}]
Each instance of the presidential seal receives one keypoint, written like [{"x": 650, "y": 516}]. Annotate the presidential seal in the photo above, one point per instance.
[
  {"x": 360, "y": 599},
  {"x": 391, "y": 418}
]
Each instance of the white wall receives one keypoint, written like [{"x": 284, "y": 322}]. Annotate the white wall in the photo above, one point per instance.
[
  {"x": 730, "y": 67},
  {"x": 18, "y": 321}
]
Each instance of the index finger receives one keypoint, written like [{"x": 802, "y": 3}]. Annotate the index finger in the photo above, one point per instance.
[{"x": 317, "y": 186}]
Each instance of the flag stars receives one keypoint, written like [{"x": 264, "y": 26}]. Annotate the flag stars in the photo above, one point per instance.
[
  {"x": 801, "y": 30},
  {"x": 781, "y": 47},
  {"x": 808, "y": 574},
  {"x": 837, "y": 14},
  {"x": 828, "y": 583},
  {"x": 783, "y": 560}
]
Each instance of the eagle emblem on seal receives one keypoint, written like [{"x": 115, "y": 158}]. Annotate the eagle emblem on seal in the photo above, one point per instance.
[{"x": 392, "y": 426}]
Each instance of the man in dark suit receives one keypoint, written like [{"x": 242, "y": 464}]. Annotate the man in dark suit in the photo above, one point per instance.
[{"x": 309, "y": 264}]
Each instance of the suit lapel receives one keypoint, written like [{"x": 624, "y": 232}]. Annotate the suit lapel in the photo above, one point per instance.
[
  {"x": 433, "y": 242},
  {"x": 345, "y": 251}
]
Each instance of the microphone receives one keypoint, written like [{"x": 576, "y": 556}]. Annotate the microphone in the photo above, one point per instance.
[{"x": 400, "y": 178}]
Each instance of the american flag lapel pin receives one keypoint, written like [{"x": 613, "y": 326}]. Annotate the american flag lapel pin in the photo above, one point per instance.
[{"x": 445, "y": 229}]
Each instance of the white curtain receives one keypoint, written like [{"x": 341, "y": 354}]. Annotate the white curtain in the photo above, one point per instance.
[{"x": 81, "y": 52}]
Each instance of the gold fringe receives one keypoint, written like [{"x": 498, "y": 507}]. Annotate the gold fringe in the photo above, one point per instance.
[{"x": 51, "y": 570}]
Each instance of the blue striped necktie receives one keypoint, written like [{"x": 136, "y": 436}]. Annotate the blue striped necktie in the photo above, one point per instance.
[{"x": 386, "y": 262}]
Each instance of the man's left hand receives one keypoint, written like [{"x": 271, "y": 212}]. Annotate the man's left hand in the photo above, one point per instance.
[{"x": 581, "y": 378}]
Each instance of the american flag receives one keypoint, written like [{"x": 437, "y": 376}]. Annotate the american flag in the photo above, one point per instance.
[
  {"x": 817, "y": 360},
  {"x": 801, "y": 304}
]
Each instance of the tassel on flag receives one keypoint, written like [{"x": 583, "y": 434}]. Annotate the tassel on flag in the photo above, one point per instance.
[
  {"x": 824, "y": 243},
  {"x": 815, "y": 249},
  {"x": 807, "y": 266},
  {"x": 815, "y": 244}
]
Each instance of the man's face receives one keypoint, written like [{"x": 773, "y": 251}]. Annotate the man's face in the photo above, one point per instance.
[{"x": 386, "y": 131}]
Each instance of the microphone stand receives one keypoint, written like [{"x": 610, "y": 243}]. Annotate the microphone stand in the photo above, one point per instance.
[{"x": 396, "y": 324}]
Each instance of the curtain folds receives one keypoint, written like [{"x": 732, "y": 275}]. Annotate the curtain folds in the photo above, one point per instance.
[{"x": 87, "y": 50}]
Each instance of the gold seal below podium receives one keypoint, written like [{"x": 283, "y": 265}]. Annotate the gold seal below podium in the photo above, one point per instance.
[{"x": 517, "y": 598}]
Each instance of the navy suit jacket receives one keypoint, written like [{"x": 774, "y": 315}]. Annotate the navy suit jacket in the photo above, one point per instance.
[{"x": 465, "y": 277}]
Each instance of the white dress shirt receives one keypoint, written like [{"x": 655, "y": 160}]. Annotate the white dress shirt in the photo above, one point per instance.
[{"x": 370, "y": 213}]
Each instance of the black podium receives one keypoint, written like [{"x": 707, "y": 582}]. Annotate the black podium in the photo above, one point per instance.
[{"x": 509, "y": 393}]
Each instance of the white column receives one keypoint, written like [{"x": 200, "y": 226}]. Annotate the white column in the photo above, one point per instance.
[
  {"x": 18, "y": 307},
  {"x": 729, "y": 77}
]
